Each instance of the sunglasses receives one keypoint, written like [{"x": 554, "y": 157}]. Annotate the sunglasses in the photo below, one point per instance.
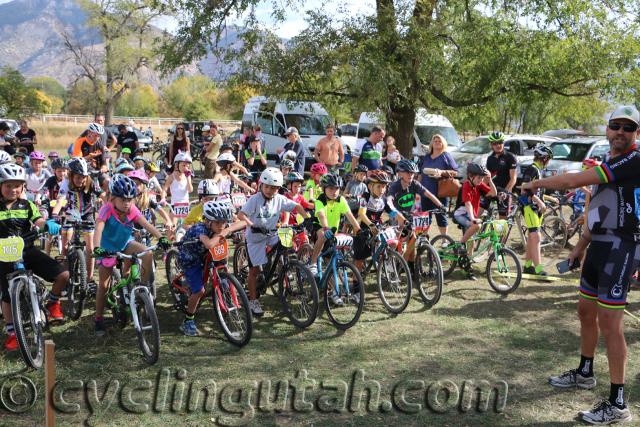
[
  {"x": 498, "y": 143},
  {"x": 627, "y": 127},
  {"x": 179, "y": 128}
]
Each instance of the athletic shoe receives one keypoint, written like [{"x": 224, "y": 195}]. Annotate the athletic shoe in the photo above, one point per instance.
[
  {"x": 529, "y": 270},
  {"x": 540, "y": 273},
  {"x": 471, "y": 276},
  {"x": 336, "y": 300},
  {"x": 604, "y": 413},
  {"x": 11, "y": 344},
  {"x": 256, "y": 308},
  {"x": 314, "y": 269},
  {"x": 101, "y": 329},
  {"x": 188, "y": 327},
  {"x": 55, "y": 313},
  {"x": 355, "y": 297},
  {"x": 573, "y": 378}
]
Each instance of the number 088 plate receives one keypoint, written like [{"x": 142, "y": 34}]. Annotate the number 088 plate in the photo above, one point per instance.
[{"x": 11, "y": 249}]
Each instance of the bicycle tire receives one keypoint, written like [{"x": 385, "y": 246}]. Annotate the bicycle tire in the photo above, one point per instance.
[
  {"x": 304, "y": 253},
  {"x": 553, "y": 232},
  {"x": 443, "y": 244},
  {"x": 172, "y": 270},
  {"x": 77, "y": 285},
  {"x": 395, "y": 298},
  {"x": 335, "y": 312},
  {"x": 428, "y": 269},
  {"x": 239, "y": 327},
  {"x": 32, "y": 350},
  {"x": 241, "y": 262},
  {"x": 150, "y": 346},
  {"x": 504, "y": 289},
  {"x": 302, "y": 288}
]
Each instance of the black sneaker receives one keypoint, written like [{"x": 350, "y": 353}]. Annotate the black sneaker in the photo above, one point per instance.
[
  {"x": 529, "y": 270},
  {"x": 101, "y": 329},
  {"x": 471, "y": 276},
  {"x": 540, "y": 273}
]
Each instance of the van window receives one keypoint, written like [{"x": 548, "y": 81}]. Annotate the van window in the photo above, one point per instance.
[
  {"x": 307, "y": 124},
  {"x": 265, "y": 120},
  {"x": 425, "y": 133},
  {"x": 364, "y": 129}
]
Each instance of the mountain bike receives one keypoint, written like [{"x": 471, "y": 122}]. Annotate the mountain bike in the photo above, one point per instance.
[
  {"x": 296, "y": 287},
  {"x": 77, "y": 288},
  {"x": 144, "y": 237},
  {"x": 227, "y": 295},
  {"x": 428, "y": 276},
  {"x": 128, "y": 298}
]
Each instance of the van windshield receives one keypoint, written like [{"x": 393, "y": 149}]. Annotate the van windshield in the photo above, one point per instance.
[
  {"x": 425, "y": 133},
  {"x": 477, "y": 146},
  {"x": 364, "y": 129},
  {"x": 308, "y": 125}
]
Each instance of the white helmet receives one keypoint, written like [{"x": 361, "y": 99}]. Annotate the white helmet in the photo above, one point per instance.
[
  {"x": 217, "y": 211},
  {"x": 290, "y": 155},
  {"x": 225, "y": 158},
  {"x": 5, "y": 157},
  {"x": 95, "y": 127},
  {"x": 12, "y": 172},
  {"x": 182, "y": 156},
  {"x": 208, "y": 187},
  {"x": 271, "y": 176}
]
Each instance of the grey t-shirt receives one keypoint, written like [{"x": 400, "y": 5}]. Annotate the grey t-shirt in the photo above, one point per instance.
[{"x": 265, "y": 213}]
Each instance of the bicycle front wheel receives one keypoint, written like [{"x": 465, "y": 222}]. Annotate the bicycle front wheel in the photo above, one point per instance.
[
  {"x": 344, "y": 300},
  {"x": 173, "y": 272},
  {"x": 28, "y": 332},
  {"x": 148, "y": 328},
  {"x": 394, "y": 281},
  {"x": 444, "y": 245},
  {"x": 77, "y": 285},
  {"x": 504, "y": 272},
  {"x": 298, "y": 294},
  {"x": 232, "y": 310},
  {"x": 428, "y": 275}
]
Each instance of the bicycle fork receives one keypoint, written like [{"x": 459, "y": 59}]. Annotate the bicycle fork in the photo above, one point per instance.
[
  {"x": 33, "y": 296},
  {"x": 133, "y": 305}
]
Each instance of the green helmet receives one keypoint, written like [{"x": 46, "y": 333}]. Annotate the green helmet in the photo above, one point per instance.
[{"x": 496, "y": 137}]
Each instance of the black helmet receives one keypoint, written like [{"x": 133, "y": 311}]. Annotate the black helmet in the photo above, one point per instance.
[
  {"x": 405, "y": 165},
  {"x": 541, "y": 151},
  {"x": 59, "y": 164},
  {"x": 293, "y": 176},
  {"x": 79, "y": 166},
  {"x": 476, "y": 169},
  {"x": 331, "y": 180},
  {"x": 361, "y": 168}
]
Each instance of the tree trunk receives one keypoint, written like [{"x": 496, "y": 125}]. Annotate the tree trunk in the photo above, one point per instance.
[{"x": 400, "y": 124}]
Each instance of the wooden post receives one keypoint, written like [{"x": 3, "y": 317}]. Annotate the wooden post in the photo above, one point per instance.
[{"x": 49, "y": 382}]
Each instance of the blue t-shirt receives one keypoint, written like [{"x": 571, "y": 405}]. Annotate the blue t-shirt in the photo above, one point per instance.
[
  {"x": 192, "y": 254},
  {"x": 443, "y": 162},
  {"x": 116, "y": 234}
]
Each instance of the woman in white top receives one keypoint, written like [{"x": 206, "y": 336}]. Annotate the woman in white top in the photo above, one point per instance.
[{"x": 179, "y": 185}]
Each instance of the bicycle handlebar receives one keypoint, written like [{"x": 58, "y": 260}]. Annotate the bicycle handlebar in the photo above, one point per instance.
[{"x": 121, "y": 255}]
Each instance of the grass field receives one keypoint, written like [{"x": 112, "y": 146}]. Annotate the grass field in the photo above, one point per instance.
[{"x": 472, "y": 334}]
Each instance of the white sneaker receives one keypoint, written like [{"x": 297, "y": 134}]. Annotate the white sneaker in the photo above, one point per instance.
[
  {"x": 255, "y": 307},
  {"x": 336, "y": 300},
  {"x": 313, "y": 267},
  {"x": 573, "y": 378},
  {"x": 605, "y": 413}
]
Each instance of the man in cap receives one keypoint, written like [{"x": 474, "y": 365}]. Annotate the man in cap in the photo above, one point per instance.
[{"x": 294, "y": 144}]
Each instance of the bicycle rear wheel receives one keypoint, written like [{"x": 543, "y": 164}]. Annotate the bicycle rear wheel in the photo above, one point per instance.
[
  {"x": 444, "y": 246},
  {"x": 553, "y": 235},
  {"x": 28, "y": 333},
  {"x": 428, "y": 275},
  {"x": 77, "y": 285},
  {"x": 173, "y": 272},
  {"x": 148, "y": 330},
  {"x": 394, "y": 281},
  {"x": 232, "y": 309},
  {"x": 350, "y": 290},
  {"x": 241, "y": 262},
  {"x": 504, "y": 272},
  {"x": 304, "y": 253},
  {"x": 298, "y": 294}
]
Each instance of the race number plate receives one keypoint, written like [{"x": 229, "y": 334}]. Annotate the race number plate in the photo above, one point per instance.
[
  {"x": 11, "y": 249},
  {"x": 389, "y": 234},
  {"x": 220, "y": 251},
  {"x": 180, "y": 210},
  {"x": 286, "y": 236},
  {"x": 344, "y": 241},
  {"x": 421, "y": 221},
  {"x": 238, "y": 200}
]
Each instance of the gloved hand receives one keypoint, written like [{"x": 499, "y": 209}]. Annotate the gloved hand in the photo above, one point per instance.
[
  {"x": 53, "y": 227},
  {"x": 99, "y": 252},
  {"x": 164, "y": 243},
  {"x": 328, "y": 234}
]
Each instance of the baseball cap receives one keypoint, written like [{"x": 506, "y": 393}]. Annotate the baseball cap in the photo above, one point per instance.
[
  {"x": 206, "y": 128},
  {"x": 291, "y": 130},
  {"x": 628, "y": 112}
]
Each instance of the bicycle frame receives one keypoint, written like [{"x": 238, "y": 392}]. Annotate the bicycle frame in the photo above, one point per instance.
[
  {"x": 336, "y": 256},
  {"x": 20, "y": 274}
]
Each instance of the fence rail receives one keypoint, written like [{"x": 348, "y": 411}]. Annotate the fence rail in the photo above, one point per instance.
[{"x": 148, "y": 121}]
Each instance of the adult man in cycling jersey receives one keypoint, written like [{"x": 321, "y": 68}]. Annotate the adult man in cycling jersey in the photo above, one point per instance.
[
  {"x": 502, "y": 165},
  {"x": 369, "y": 151},
  {"x": 613, "y": 254}
]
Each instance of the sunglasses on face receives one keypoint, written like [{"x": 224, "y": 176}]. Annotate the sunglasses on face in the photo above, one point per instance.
[
  {"x": 179, "y": 128},
  {"x": 627, "y": 127},
  {"x": 497, "y": 143}
]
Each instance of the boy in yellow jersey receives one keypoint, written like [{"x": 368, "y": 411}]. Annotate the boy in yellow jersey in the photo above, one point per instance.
[{"x": 207, "y": 190}]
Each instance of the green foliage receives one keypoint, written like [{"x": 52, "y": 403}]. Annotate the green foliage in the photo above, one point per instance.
[
  {"x": 82, "y": 98},
  {"x": 17, "y": 99},
  {"x": 48, "y": 85},
  {"x": 141, "y": 101}
]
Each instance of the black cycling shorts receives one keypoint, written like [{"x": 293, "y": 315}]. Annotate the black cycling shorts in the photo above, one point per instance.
[
  {"x": 35, "y": 260},
  {"x": 361, "y": 247}
]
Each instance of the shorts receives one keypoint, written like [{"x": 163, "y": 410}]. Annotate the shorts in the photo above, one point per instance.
[
  {"x": 504, "y": 206},
  {"x": 35, "y": 260},
  {"x": 461, "y": 217},
  {"x": 608, "y": 265},
  {"x": 427, "y": 205},
  {"x": 361, "y": 246},
  {"x": 194, "y": 275},
  {"x": 532, "y": 220},
  {"x": 257, "y": 248}
]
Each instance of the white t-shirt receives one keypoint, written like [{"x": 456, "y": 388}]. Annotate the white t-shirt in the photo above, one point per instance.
[{"x": 36, "y": 182}]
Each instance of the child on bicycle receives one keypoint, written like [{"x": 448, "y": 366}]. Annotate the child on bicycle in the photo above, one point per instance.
[
  {"x": 202, "y": 236},
  {"x": 330, "y": 206},
  {"x": 114, "y": 229},
  {"x": 139, "y": 162},
  {"x": 532, "y": 208},
  {"x": 37, "y": 175},
  {"x": 261, "y": 214},
  {"x": 225, "y": 178},
  {"x": 179, "y": 185},
  {"x": 478, "y": 184},
  {"x": 402, "y": 196},
  {"x": 155, "y": 189},
  {"x": 294, "y": 181},
  {"x": 355, "y": 188},
  {"x": 52, "y": 187},
  {"x": 207, "y": 191},
  {"x": 18, "y": 217},
  {"x": 312, "y": 186},
  {"x": 146, "y": 204}
]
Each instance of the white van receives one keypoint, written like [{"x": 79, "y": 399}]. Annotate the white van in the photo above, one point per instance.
[
  {"x": 425, "y": 126},
  {"x": 275, "y": 116}
]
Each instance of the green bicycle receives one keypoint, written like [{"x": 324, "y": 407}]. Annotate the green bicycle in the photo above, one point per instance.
[{"x": 503, "y": 270}]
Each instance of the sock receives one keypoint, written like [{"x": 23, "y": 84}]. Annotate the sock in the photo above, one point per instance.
[
  {"x": 616, "y": 396},
  {"x": 189, "y": 316},
  {"x": 528, "y": 263},
  {"x": 99, "y": 319},
  {"x": 53, "y": 297},
  {"x": 538, "y": 268},
  {"x": 9, "y": 328},
  {"x": 586, "y": 366}
]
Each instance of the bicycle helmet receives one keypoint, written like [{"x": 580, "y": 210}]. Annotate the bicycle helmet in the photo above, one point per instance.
[
  {"x": 225, "y": 147},
  {"x": 476, "y": 169},
  {"x": 225, "y": 159},
  {"x": 271, "y": 176},
  {"x": 95, "y": 128},
  {"x": 331, "y": 180},
  {"x": 286, "y": 163},
  {"x": 12, "y": 172},
  {"x": 378, "y": 176},
  {"x": 53, "y": 155},
  {"x": 290, "y": 155},
  {"x": 542, "y": 151},
  {"x": 37, "y": 155},
  {"x": 79, "y": 166},
  {"x": 59, "y": 164},
  {"x": 139, "y": 174},
  {"x": 217, "y": 211},
  {"x": 135, "y": 159},
  {"x": 5, "y": 157},
  {"x": 590, "y": 163},
  {"x": 124, "y": 167},
  {"x": 361, "y": 168},
  {"x": 496, "y": 137},
  {"x": 405, "y": 165},
  {"x": 294, "y": 176},
  {"x": 207, "y": 187},
  {"x": 319, "y": 168},
  {"x": 182, "y": 156},
  {"x": 152, "y": 167},
  {"x": 123, "y": 186}
]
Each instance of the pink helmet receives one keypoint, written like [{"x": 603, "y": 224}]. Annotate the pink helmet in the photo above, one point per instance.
[
  {"x": 139, "y": 174},
  {"x": 319, "y": 168},
  {"x": 53, "y": 155},
  {"x": 36, "y": 155}
]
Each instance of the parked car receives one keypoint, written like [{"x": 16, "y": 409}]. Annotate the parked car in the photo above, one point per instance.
[
  {"x": 145, "y": 141},
  {"x": 478, "y": 149},
  {"x": 564, "y": 133},
  {"x": 13, "y": 128},
  {"x": 233, "y": 136}
]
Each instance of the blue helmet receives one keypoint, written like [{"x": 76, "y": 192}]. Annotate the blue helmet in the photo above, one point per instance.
[{"x": 123, "y": 186}]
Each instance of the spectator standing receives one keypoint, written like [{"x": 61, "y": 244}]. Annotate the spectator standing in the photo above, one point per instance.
[
  {"x": 329, "y": 150},
  {"x": 211, "y": 150},
  {"x": 369, "y": 151},
  {"x": 256, "y": 156},
  {"x": 294, "y": 144},
  {"x": 26, "y": 137},
  {"x": 179, "y": 142},
  {"x": 126, "y": 139},
  {"x": 502, "y": 165}
]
